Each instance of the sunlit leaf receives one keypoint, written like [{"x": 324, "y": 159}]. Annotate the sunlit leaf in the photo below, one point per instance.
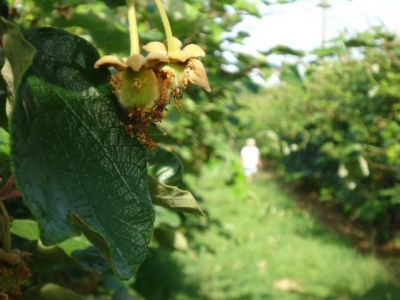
[
  {"x": 51, "y": 291},
  {"x": 172, "y": 197},
  {"x": 16, "y": 49}
]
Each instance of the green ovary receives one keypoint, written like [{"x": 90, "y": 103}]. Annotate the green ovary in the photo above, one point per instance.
[
  {"x": 178, "y": 72},
  {"x": 137, "y": 89}
]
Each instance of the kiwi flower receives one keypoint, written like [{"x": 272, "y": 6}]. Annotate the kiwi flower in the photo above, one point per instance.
[
  {"x": 183, "y": 65},
  {"x": 134, "y": 85},
  {"x": 145, "y": 85}
]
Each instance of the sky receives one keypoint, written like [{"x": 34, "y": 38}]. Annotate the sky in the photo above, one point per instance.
[{"x": 299, "y": 25}]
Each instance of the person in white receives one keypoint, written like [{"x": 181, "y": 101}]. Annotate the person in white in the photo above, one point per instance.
[{"x": 250, "y": 158}]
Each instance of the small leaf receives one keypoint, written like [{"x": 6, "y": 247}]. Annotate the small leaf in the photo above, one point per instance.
[
  {"x": 27, "y": 229},
  {"x": 16, "y": 49},
  {"x": 77, "y": 168},
  {"x": 284, "y": 50},
  {"x": 74, "y": 244},
  {"x": 16, "y": 57},
  {"x": 165, "y": 166},
  {"x": 51, "y": 291},
  {"x": 4, "y": 143},
  {"x": 77, "y": 247},
  {"x": 173, "y": 198}
]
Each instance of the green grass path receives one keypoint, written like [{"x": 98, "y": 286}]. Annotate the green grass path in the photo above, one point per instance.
[{"x": 260, "y": 245}]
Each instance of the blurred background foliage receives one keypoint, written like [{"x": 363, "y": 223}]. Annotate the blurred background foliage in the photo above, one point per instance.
[{"x": 334, "y": 126}]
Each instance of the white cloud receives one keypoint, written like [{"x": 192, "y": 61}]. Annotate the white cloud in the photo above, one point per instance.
[{"x": 299, "y": 25}]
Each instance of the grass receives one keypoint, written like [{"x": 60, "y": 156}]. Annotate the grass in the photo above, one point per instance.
[{"x": 261, "y": 245}]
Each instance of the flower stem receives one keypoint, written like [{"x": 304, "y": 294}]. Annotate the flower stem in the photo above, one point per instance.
[
  {"x": 167, "y": 27},
  {"x": 133, "y": 30}
]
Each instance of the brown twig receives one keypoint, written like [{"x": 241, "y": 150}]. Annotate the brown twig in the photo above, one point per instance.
[
  {"x": 5, "y": 228},
  {"x": 10, "y": 195},
  {"x": 7, "y": 187},
  {"x": 6, "y": 193},
  {"x": 383, "y": 167}
]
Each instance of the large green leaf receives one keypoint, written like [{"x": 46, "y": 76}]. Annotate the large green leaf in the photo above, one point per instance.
[{"x": 76, "y": 167}]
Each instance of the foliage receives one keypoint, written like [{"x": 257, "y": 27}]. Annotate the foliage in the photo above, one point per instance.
[{"x": 336, "y": 129}]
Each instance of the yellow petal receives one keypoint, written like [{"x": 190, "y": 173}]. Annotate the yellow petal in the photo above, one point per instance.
[
  {"x": 177, "y": 43},
  {"x": 135, "y": 62},
  {"x": 178, "y": 55},
  {"x": 193, "y": 50},
  {"x": 197, "y": 74},
  {"x": 110, "y": 60},
  {"x": 157, "y": 47},
  {"x": 158, "y": 56}
]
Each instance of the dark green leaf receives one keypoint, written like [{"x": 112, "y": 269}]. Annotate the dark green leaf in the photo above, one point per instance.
[
  {"x": 77, "y": 168},
  {"x": 46, "y": 5},
  {"x": 3, "y": 101},
  {"x": 91, "y": 259},
  {"x": 173, "y": 197},
  {"x": 115, "y": 3},
  {"x": 103, "y": 30},
  {"x": 156, "y": 133},
  {"x": 284, "y": 50},
  {"x": 4, "y": 9}
]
